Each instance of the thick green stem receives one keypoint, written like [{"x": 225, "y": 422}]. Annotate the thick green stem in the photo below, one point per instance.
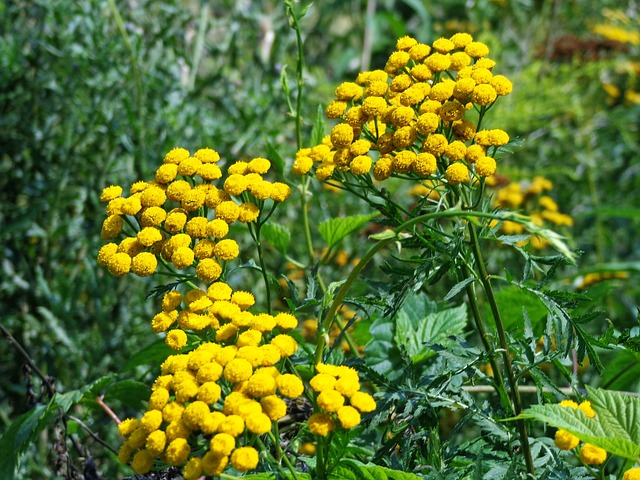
[{"x": 504, "y": 345}]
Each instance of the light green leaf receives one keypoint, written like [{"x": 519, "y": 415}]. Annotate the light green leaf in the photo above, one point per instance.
[
  {"x": 336, "y": 229},
  {"x": 457, "y": 288},
  {"x": 277, "y": 235},
  {"x": 615, "y": 427},
  {"x": 419, "y": 323}
]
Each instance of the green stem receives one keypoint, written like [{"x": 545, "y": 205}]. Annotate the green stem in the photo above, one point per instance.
[
  {"x": 504, "y": 345},
  {"x": 282, "y": 455},
  {"x": 488, "y": 347},
  {"x": 256, "y": 237}
]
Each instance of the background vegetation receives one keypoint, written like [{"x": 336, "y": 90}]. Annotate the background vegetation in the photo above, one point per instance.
[{"x": 93, "y": 93}]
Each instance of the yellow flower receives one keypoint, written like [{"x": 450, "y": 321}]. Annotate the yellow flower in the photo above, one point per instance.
[
  {"x": 111, "y": 227},
  {"x": 209, "y": 372},
  {"x": 244, "y": 458},
  {"x": 176, "y": 339},
  {"x": 166, "y": 173},
  {"x": 427, "y": 123},
  {"x": 258, "y": 423},
  {"x": 127, "y": 426},
  {"x": 498, "y": 137},
  {"x": 502, "y": 85},
  {"x": 214, "y": 197},
  {"x": 233, "y": 425},
  {"x": 425, "y": 164},
  {"x": 485, "y": 166},
  {"x": 361, "y": 165},
  {"x": 566, "y": 441},
  {"x": 348, "y": 385},
  {"x": 176, "y": 155},
  {"x": 238, "y": 370},
  {"x": 208, "y": 270},
  {"x": 443, "y": 45},
  {"x": 109, "y": 193},
  {"x": 592, "y": 455},
  {"x": 222, "y": 444},
  {"x": 363, "y": 402},
  {"x": 442, "y": 91},
  {"x": 228, "y": 211},
  {"x": 307, "y": 448},
  {"x": 158, "y": 399},
  {"x": 321, "y": 424},
  {"x": 476, "y": 49},
  {"x": 261, "y": 385},
  {"x": 226, "y": 250},
  {"x": 348, "y": 416},
  {"x": 457, "y": 173},
  {"x": 419, "y": 52},
  {"x": 271, "y": 355},
  {"x": 106, "y": 252},
  {"x": 153, "y": 197},
  {"x": 435, "y": 144},
  {"x": 400, "y": 83},
  {"x": 483, "y": 95},
  {"x": 209, "y": 393},
  {"x": 209, "y": 172},
  {"x": 286, "y": 321},
  {"x": 193, "y": 468},
  {"x": 177, "y": 452},
  {"x": 404, "y": 137},
  {"x": 587, "y": 409},
  {"x": 193, "y": 200},
  {"x": 459, "y": 60},
  {"x": 348, "y": 91},
  {"x": 461, "y": 40},
  {"x": 397, "y": 60},
  {"x": 464, "y": 129},
  {"x": 285, "y": 343},
  {"x": 405, "y": 43},
  {"x": 156, "y": 442},
  {"x": 274, "y": 407},
  {"x": 151, "y": 420},
  {"x": 207, "y": 155},
  {"x": 280, "y": 191},
  {"x": 330, "y": 400},
  {"x": 569, "y": 404},
  {"x": 383, "y": 168},
  {"x": 142, "y": 461},
  {"x": 119, "y": 264},
  {"x": 437, "y": 62},
  {"x": 189, "y": 166},
  {"x": 371, "y": 106},
  {"x": 322, "y": 381},
  {"x": 289, "y": 385},
  {"x": 336, "y": 109},
  {"x": 632, "y": 474}
]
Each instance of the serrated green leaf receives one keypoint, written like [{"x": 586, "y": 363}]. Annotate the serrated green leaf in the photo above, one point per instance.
[
  {"x": 277, "y": 235},
  {"x": 419, "y": 323},
  {"x": 615, "y": 427},
  {"x": 457, "y": 288},
  {"x": 156, "y": 353},
  {"x": 336, "y": 229},
  {"x": 22, "y": 432},
  {"x": 381, "y": 353}
]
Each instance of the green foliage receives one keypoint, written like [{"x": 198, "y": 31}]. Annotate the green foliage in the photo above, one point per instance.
[
  {"x": 335, "y": 229},
  {"x": 614, "y": 428}
]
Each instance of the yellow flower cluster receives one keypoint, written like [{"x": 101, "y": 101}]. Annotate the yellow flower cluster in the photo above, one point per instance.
[
  {"x": 412, "y": 118},
  {"x": 596, "y": 277},
  {"x": 208, "y": 403},
  {"x": 528, "y": 196},
  {"x": 181, "y": 217},
  {"x": 589, "y": 454},
  {"x": 335, "y": 385}
]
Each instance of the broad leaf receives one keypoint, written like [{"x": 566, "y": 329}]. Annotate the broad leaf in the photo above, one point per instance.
[
  {"x": 277, "y": 235},
  {"x": 419, "y": 323},
  {"x": 615, "y": 428},
  {"x": 512, "y": 301},
  {"x": 336, "y": 229},
  {"x": 382, "y": 353},
  {"x": 155, "y": 353}
]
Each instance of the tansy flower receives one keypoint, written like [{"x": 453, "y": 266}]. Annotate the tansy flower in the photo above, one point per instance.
[
  {"x": 348, "y": 416},
  {"x": 566, "y": 441},
  {"x": 321, "y": 424},
  {"x": 244, "y": 458},
  {"x": 457, "y": 173},
  {"x": 592, "y": 455}
]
